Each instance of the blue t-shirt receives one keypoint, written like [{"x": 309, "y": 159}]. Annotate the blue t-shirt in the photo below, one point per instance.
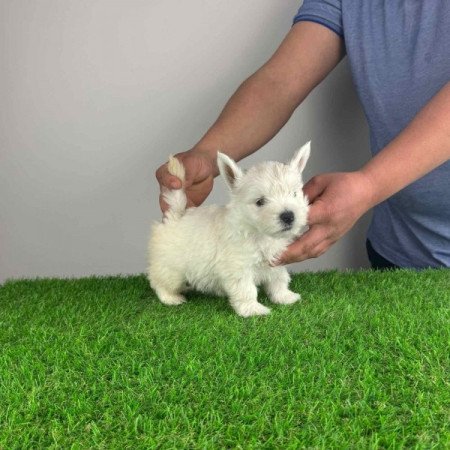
[{"x": 399, "y": 54}]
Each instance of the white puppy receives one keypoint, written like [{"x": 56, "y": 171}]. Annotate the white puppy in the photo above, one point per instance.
[{"x": 227, "y": 250}]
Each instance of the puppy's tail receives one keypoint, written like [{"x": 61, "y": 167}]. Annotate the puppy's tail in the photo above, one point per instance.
[{"x": 175, "y": 198}]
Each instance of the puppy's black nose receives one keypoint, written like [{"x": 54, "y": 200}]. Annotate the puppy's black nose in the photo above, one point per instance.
[{"x": 287, "y": 217}]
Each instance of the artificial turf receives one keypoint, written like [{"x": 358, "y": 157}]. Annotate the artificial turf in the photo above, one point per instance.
[{"x": 361, "y": 362}]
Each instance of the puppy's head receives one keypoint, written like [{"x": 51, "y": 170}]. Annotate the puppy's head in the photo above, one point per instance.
[{"x": 268, "y": 198}]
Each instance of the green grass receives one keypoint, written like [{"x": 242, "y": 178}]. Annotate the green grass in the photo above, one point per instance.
[{"x": 362, "y": 362}]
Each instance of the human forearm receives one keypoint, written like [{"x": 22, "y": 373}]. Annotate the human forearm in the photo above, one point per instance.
[
  {"x": 252, "y": 116},
  {"x": 266, "y": 100},
  {"x": 422, "y": 146}
]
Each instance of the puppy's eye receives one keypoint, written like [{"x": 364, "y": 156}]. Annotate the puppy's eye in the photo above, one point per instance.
[
  {"x": 294, "y": 193},
  {"x": 260, "y": 202}
]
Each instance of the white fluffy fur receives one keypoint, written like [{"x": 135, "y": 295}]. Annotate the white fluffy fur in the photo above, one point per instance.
[{"x": 227, "y": 250}]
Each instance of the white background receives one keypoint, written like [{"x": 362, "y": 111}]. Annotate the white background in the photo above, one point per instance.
[{"x": 96, "y": 93}]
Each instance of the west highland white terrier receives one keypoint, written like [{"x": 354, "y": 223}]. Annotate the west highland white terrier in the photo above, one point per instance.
[{"x": 229, "y": 250}]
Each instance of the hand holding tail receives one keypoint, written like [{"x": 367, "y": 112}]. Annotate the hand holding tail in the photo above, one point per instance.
[
  {"x": 175, "y": 199},
  {"x": 198, "y": 177}
]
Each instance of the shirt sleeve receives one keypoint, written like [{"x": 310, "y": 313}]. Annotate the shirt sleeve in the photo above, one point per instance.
[{"x": 325, "y": 12}]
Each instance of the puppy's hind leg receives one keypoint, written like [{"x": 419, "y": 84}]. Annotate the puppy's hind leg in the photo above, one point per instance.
[
  {"x": 277, "y": 286},
  {"x": 168, "y": 285}
]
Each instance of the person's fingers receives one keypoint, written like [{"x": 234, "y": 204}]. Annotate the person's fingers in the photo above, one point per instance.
[
  {"x": 173, "y": 182},
  {"x": 304, "y": 247},
  {"x": 320, "y": 249},
  {"x": 192, "y": 175},
  {"x": 197, "y": 171},
  {"x": 314, "y": 187},
  {"x": 166, "y": 179},
  {"x": 318, "y": 212}
]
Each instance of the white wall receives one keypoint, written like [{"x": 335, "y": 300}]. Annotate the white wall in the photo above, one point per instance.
[{"x": 96, "y": 93}]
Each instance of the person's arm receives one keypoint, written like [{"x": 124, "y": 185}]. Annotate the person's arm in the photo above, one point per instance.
[
  {"x": 340, "y": 199},
  {"x": 265, "y": 101},
  {"x": 261, "y": 105}
]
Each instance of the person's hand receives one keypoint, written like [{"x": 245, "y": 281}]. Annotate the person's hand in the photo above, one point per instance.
[
  {"x": 199, "y": 168},
  {"x": 337, "y": 201}
]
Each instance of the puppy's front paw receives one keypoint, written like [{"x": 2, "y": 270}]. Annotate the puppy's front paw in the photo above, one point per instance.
[
  {"x": 172, "y": 299},
  {"x": 251, "y": 309},
  {"x": 286, "y": 297}
]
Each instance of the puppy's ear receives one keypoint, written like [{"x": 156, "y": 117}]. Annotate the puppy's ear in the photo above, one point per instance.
[
  {"x": 301, "y": 157},
  {"x": 228, "y": 169}
]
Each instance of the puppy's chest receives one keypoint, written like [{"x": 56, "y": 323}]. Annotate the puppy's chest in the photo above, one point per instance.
[
  {"x": 270, "y": 249},
  {"x": 257, "y": 253}
]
